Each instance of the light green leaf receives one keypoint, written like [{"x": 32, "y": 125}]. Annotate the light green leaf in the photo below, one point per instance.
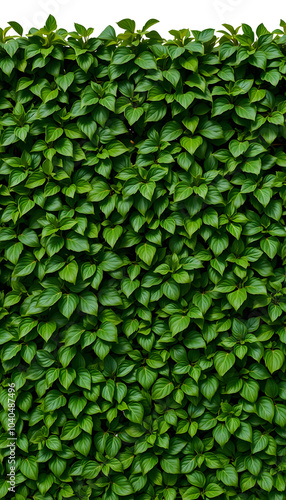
[
  {"x": 146, "y": 252},
  {"x": 274, "y": 359},
  {"x": 191, "y": 144},
  {"x": 162, "y": 388},
  {"x": 237, "y": 298},
  {"x": 69, "y": 272},
  {"x": 29, "y": 467},
  {"x": 223, "y": 362}
]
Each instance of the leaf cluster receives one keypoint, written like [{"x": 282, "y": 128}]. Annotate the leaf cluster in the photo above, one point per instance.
[{"x": 142, "y": 241}]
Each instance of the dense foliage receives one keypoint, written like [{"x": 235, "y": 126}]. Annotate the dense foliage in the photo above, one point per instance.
[{"x": 143, "y": 301}]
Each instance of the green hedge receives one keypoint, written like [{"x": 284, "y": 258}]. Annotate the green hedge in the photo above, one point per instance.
[{"x": 142, "y": 197}]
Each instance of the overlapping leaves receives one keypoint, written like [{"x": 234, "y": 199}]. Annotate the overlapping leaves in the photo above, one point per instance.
[{"x": 142, "y": 206}]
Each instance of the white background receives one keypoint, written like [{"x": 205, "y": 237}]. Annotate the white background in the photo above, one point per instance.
[{"x": 172, "y": 14}]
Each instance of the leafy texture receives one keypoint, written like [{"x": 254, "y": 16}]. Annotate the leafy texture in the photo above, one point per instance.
[{"x": 143, "y": 252}]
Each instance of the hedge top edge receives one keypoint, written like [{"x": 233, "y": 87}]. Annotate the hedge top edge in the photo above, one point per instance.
[{"x": 131, "y": 36}]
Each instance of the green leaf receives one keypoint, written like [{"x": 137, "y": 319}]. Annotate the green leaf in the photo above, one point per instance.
[
  {"x": 135, "y": 412},
  {"x": 250, "y": 390},
  {"x": 88, "y": 303},
  {"x": 76, "y": 242},
  {"x": 190, "y": 387},
  {"x": 49, "y": 297},
  {"x": 273, "y": 76},
  {"x": 71, "y": 430},
  {"x": 112, "y": 234},
  {"x": 223, "y": 362},
  {"x": 253, "y": 464},
  {"x": 66, "y": 376},
  {"x": 73, "y": 334},
  {"x": 146, "y": 377},
  {"x": 182, "y": 191},
  {"x": 162, "y": 388},
  {"x": 53, "y": 133},
  {"x": 171, "y": 290},
  {"x": 116, "y": 148},
  {"x": 146, "y": 60},
  {"x": 149, "y": 23},
  {"x": 238, "y": 148},
  {"x": 68, "y": 304},
  {"x": 178, "y": 323},
  {"x": 170, "y": 465},
  {"x": 69, "y": 272},
  {"x": 132, "y": 114},
  {"x": 255, "y": 286},
  {"x": 64, "y": 146},
  {"x": 107, "y": 331},
  {"x": 263, "y": 195},
  {"x": 205, "y": 35},
  {"x": 121, "y": 486},
  {"x": 259, "y": 442},
  {"x": 265, "y": 408},
  {"x": 244, "y": 109},
  {"x": 274, "y": 359},
  {"x": 247, "y": 481},
  {"x": 211, "y": 130},
  {"x": 46, "y": 329},
  {"x": 270, "y": 246},
  {"x": 218, "y": 244},
  {"x": 173, "y": 76},
  {"x": 122, "y": 55},
  {"x": 191, "y": 144},
  {"x": 228, "y": 476},
  {"x": 87, "y": 125},
  {"x": 148, "y": 462},
  {"x": 191, "y": 493},
  {"x": 29, "y": 467},
  {"x": 171, "y": 131},
  {"x": 108, "y": 34},
  {"x": 16, "y": 27},
  {"x": 127, "y": 24},
  {"x": 51, "y": 24},
  {"x": 213, "y": 490},
  {"x": 25, "y": 265},
  {"x": 244, "y": 432},
  {"x": 237, "y": 298},
  {"x": 209, "y": 387},
  {"x": 155, "y": 112},
  {"x": 221, "y": 434},
  {"x": 185, "y": 100},
  {"x": 65, "y": 81},
  {"x": 146, "y": 252},
  {"x": 54, "y": 400},
  {"x": 280, "y": 415},
  {"x": 7, "y": 66},
  {"x": 220, "y": 106}
]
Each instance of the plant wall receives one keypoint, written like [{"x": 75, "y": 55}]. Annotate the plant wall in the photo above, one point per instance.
[{"x": 142, "y": 205}]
